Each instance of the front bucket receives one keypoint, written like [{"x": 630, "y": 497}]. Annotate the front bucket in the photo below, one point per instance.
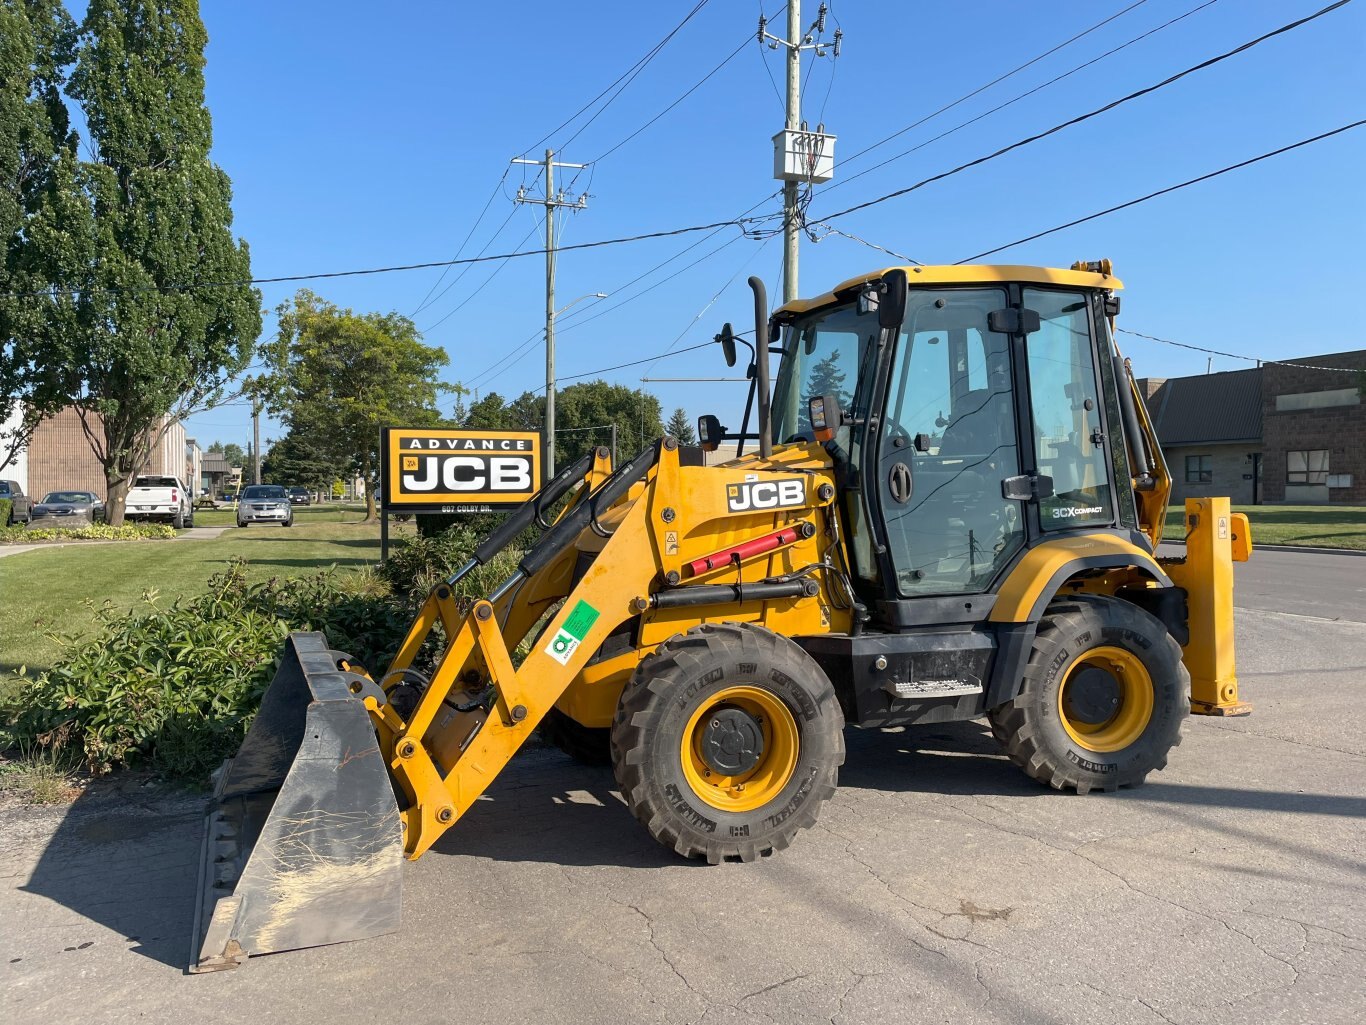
[{"x": 302, "y": 843}]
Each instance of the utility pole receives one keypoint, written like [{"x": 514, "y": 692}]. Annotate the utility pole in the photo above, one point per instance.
[
  {"x": 794, "y": 118},
  {"x": 550, "y": 200},
  {"x": 256, "y": 441},
  {"x": 813, "y": 152}
]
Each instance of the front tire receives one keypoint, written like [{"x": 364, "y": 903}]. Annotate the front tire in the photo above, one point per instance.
[
  {"x": 1103, "y": 699},
  {"x": 727, "y": 741}
]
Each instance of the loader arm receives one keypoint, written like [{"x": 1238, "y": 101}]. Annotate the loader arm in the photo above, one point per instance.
[{"x": 479, "y": 707}]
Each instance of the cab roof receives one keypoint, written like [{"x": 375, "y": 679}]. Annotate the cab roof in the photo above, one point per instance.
[{"x": 964, "y": 274}]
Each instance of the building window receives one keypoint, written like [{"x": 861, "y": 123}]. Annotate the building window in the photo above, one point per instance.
[
  {"x": 1307, "y": 467},
  {"x": 1199, "y": 469}
]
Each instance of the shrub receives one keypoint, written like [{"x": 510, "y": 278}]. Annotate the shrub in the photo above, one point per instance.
[
  {"x": 416, "y": 564},
  {"x": 88, "y": 532},
  {"x": 5, "y": 506},
  {"x": 177, "y": 685}
]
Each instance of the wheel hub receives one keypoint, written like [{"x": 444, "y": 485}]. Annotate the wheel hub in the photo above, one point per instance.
[
  {"x": 1093, "y": 695},
  {"x": 732, "y": 742}
]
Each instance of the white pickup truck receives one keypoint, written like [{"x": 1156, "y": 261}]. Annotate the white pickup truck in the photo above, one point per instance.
[{"x": 160, "y": 498}]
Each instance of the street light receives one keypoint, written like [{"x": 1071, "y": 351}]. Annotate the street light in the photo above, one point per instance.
[{"x": 549, "y": 439}]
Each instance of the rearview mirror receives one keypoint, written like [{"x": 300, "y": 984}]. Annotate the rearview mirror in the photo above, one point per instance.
[
  {"x": 709, "y": 429},
  {"x": 727, "y": 340}
]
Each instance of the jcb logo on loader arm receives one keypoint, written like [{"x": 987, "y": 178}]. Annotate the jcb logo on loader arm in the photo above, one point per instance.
[{"x": 755, "y": 495}]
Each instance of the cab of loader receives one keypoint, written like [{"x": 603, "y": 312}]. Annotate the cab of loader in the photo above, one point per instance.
[{"x": 988, "y": 419}]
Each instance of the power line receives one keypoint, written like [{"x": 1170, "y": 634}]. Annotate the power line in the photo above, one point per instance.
[
  {"x": 635, "y": 363},
  {"x": 391, "y": 269},
  {"x": 994, "y": 81},
  {"x": 1169, "y": 188},
  {"x": 426, "y": 304},
  {"x": 1016, "y": 99},
  {"x": 470, "y": 234},
  {"x": 635, "y": 72},
  {"x": 1091, "y": 114},
  {"x": 482, "y": 285},
  {"x": 1235, "y": 355},
  {"x": 631, "y": 71},
  {"x": 733, "y": 54}
]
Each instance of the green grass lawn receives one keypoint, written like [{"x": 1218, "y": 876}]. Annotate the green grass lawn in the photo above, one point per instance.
[
  {"x": 45, "y": 590},
  {"x": 1311, "y": 526}
]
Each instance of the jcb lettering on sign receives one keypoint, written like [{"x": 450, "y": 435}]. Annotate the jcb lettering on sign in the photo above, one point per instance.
[
  {"x": 430, "y": 470},
  {"x": 753, "y": 496},
  {"x": 466, "y": 473}
]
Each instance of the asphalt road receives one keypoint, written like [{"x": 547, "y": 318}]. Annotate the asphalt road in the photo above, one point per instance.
[{"x": 940, "y": 886}]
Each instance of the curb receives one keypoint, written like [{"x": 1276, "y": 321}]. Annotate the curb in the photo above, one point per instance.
[{"x": 1292, "y": 548}]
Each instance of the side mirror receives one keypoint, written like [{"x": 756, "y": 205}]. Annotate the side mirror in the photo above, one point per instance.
[
  {"x": 891, "y": 309},
  {"x": 727, "y": 340},
  {"x": 826, "y": 416},
  {"x": 710, "y": 431}
]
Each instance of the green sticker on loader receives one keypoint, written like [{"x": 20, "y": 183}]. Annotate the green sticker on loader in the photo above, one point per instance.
[{"x": 569, "y": 636}]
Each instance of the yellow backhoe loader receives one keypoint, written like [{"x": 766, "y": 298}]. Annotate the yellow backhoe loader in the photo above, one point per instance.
[{"x": 949, "y": 508}]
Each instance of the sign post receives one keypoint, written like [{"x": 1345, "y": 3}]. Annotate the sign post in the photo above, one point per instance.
[{"x": 439, "y": 470}]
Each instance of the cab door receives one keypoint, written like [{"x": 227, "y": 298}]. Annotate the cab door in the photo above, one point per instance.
[
  {"x": 947, "y": 443},
  {"x": 1069, "y": 437}
]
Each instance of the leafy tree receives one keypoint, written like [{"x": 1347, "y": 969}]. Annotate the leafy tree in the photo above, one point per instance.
[
  {"x": 597, "y": 405},
  {"x": 232, "y": 452},
  {"x": 343, "y": 376},
  {"x": 302, "y": 458},
  {"x": 681, "y": 427},
  {"x": 44, "y": 227},
  {"x": 148, "y": 352}
]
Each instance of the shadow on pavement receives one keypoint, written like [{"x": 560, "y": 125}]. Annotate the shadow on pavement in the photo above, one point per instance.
[{"x": 130, "y": 864}]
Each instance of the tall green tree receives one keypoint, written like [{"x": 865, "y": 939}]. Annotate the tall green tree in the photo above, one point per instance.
[
  {"x": 150, "y": 351},
  {"x": 681, "y": 427},
  {"x": 302, "y": 458},
  {"x": 827, "y": 378},
  {"x": 44, "y": 225},
  {"x": 343, "y": 376}
]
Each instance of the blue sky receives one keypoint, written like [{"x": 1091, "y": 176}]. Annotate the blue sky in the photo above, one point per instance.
[{"x": 361, "y": 135}]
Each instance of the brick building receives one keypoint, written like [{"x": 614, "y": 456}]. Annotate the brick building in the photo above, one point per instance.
[
  {"x": 59, "y": 457},
  {"x": 1314, "y": 430},
  {"x": 1273, "y": 434}
]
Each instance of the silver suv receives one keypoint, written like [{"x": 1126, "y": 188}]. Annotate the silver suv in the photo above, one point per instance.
[{"x": 265, "y": 503}]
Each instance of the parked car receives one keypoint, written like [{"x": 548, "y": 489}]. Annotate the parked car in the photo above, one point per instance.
[
  {"x": 21, "y": 509},
  {"x": 300, "y": 496},
  {"x": 70, "y": 507},
  {"x": 265, "y": 503},
  {"x": 154, "y": 497}
]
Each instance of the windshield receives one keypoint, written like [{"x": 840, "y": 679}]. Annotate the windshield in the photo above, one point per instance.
[
  {"x": 155, "y": 482},
  {"x": 821, "y": 356},
  {"x": 68, "y": 498},
  {"x": 264, "y": 492}
]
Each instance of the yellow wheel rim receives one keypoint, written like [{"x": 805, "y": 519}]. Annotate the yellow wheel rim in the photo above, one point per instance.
[
  {"x": 1127, "y": 713},
  {"x": 777, "y": 757}
]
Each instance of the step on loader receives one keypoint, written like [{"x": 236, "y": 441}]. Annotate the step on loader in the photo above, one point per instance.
[{"x": 949, "y": 508}]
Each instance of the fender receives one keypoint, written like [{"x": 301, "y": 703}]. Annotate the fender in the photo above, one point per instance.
[{"x": 1033, "y": 583}]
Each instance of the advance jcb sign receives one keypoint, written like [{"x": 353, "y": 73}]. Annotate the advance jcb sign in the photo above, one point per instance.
[{"x": 435, "y": 470}]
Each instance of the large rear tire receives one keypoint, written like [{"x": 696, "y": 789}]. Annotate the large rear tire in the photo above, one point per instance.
[
  {"x": 1103, "y": 699},
  {"x": 727, "y": 741}
]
